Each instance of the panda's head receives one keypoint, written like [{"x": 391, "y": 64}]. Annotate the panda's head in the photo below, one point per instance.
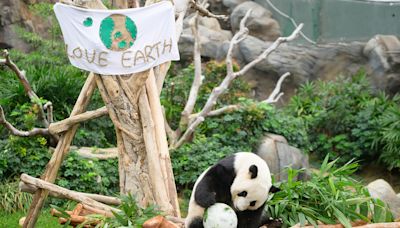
[{"x": 252, "y": 184}]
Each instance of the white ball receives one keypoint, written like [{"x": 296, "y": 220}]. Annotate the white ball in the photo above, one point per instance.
[{"x": 220, "y": 215}]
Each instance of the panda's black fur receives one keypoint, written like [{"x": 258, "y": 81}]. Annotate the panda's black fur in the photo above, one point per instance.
[{"x": 214, "y": 185}]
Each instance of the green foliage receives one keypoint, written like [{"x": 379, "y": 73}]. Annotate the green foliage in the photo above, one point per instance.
[
  {"x": 11, "y": 199},
  {"x": 390, "y": 137},
  {"x": 331, "y": 196},
  {"x": 31, "y": 152},
  {"x": 343, "y": 118},
  {"x": 94, "y": 176},
  {"x": 131, "y": 215}
]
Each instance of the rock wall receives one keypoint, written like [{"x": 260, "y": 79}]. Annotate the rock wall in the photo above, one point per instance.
[
  {"x": 379, "y": 57},
  {"x": 15, "y": 13}
]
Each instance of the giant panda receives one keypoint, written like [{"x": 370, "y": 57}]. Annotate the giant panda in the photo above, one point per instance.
[{"x": 242, "y": 181}]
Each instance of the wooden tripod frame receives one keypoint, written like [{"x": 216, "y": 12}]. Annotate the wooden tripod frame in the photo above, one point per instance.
[{"x": 133, "y": 105}]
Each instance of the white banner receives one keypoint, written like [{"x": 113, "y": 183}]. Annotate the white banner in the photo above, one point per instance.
[{"x": 113, "y": 42}]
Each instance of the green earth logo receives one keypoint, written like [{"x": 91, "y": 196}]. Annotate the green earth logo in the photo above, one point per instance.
[{"x": 118, "y": 32}]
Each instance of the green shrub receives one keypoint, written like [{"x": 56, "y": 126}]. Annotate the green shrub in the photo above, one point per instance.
[
  {"x": 343, "y": 117},
  {"x": 23, "y": 155},
  {"x": 93, "y": 176},
  {"x": 76, "y": 173},
  {"x": 331, "y": 196},
  {"x": 390, "y": 137}
]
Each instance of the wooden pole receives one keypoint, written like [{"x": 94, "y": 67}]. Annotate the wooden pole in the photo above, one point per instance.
[
  {"x": 62, "y": 148},
  {"x": 64, "y": 125},
  {"x": 66, "y": 193},
  {"x": 24, "y": 187},
  {"x": 161, "y": 141},
  {"x": 156, "y": 174}
]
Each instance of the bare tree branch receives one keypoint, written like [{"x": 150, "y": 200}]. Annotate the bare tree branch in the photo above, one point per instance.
[
  {"x": 291, "y": 20},
  {"x": 272, "y": 98},
  {"x": 179, "y": 24},
  {"x": 276, "y": 94},
  {"x": 269, "y": 50},
  {"x": 48, "y": 107},
  {"x": 239, "y": 36},
  {"x": 189, "y": 131},
  {"x": 197, "y": 81},
  {"x": 25, "y": 83},
  {"x": 205, "y": 12},
  {"x": 172, "y": 135},
  {"x": 223, "y": 86},
  {"x": 15, "y": 131},
  {"x": 228, "y": 108}
]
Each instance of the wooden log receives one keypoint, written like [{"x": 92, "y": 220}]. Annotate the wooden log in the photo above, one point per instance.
[
  {"x": 66, "y": 124},
  {"x": 161, "y": 141},
  {"x": 176, "y": 220},
  {"x": 86, "y": 210},
  {"x": 76, "y": 220},
  {"x": 159, "y": 222},
  {"x": 77, "y": 210},
  {"x": 120, "y": 95},
  {"x": 82, "y": 210},
  {"x": 97, "y": 153},
  {"x": 24, "y": 187},
  {"x": 91, "y": 210},
  {"x": 160, "y": 73},
  {"x": 62, "y": 148},
  {"x": 153, "y": 156},
  {"x": 66, "y": 193}
]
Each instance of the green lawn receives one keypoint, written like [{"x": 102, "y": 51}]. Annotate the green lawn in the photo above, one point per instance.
[{"x": 11, "y": 220}]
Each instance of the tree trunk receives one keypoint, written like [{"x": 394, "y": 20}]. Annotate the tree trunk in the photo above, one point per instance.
[{"x": 124, "y": 112}]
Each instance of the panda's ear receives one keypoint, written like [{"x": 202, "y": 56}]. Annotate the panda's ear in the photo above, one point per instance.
[
  {"x": 274, "y": 189},
  {"x": 253, "y": 171}
]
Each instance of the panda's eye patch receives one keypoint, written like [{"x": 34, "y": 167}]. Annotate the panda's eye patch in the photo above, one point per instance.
[
  {"x": 243, "y": 194},
  {"x": 253, "y": 203}
]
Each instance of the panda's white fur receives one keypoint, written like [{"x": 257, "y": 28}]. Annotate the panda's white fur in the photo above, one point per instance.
[
  {"x": 256, "y": 188},
  {"x": 226, "y": 182}
]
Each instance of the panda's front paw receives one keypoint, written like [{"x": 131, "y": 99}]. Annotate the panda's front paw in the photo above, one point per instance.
[{"x": 206, "y": 200}]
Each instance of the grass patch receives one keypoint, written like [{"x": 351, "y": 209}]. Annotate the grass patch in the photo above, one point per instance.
[{"x": 45, "y": 219}]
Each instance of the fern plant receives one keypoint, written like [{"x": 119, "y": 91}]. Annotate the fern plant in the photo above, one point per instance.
[{"x": 390, "y": 137}]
